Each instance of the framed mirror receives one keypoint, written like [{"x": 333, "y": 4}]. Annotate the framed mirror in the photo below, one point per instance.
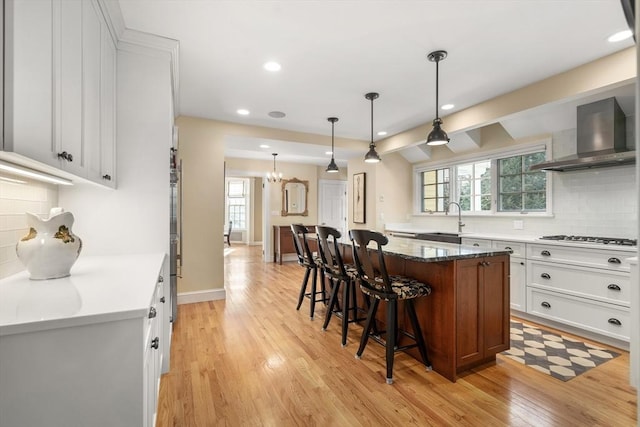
[{"x": 294, "y": 197}]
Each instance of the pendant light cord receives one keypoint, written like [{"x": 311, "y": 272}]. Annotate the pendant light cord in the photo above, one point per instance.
[
  {"x": 332, "y": 149},
  {"x": 437, "y": 73},
  {"x": 371, "y": 122}
]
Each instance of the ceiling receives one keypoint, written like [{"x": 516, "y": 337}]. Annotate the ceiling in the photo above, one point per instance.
[{"x": 333, "y": 52}]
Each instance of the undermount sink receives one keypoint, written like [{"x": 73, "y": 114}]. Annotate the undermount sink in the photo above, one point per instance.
[{"x": 440, "y": 237}]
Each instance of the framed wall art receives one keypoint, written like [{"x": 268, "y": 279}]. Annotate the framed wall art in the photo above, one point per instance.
[{"x": 359, "y": 205}]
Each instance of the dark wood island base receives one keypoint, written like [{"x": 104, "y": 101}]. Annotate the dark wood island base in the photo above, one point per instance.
[{"x": 465, "y": 320}]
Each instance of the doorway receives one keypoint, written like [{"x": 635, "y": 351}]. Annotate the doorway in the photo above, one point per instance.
[{"x": 332, "y": 204}]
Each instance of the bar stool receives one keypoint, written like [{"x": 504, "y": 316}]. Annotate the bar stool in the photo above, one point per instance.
[
  {"x": 306, "y": 260},
  {"x": 380, "y": 286},
  {"x": 338, "y": 273}
]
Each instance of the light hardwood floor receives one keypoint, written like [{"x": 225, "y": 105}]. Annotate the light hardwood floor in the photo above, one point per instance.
[{"x": 253, "y": 360}]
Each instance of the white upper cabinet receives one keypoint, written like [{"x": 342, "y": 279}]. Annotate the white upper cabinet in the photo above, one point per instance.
[
  {"x": 28, "y": 88},
  {"x": 60, "y": 86}
]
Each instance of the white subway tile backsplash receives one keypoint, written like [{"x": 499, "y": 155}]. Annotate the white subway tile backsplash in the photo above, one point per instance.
[{"x": 15, "y": 200}]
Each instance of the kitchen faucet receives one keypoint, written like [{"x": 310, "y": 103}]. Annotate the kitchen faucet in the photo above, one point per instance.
[{"x": 460, "y": 224}]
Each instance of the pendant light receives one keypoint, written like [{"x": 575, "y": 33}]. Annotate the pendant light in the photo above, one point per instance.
[
  {"x": 332, "y": 168},
  {"x": 273, "y": 176},
  {"x": 437, "y": 136},
  {"x": 372, "y": 156}
]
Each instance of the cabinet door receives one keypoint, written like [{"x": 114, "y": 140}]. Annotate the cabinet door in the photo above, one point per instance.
[
  {"x": 495, "y": 295},
  {"x": 91, "y": 61},
  {"x": 28, "y": 88},
  {"x": 482, "y": 308},
  {"x": 68, "y": 92},
  {"x": 517, "y": 283},
  {"x": 108, "y": 110},
  {"x": 469, "y": 307}
]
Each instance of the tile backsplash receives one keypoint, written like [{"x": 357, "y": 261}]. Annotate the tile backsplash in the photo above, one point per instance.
[{"x": 16, "y": 198}]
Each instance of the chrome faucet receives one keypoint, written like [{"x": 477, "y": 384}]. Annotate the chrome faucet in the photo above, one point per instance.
[{"x": 460, "y": 224}]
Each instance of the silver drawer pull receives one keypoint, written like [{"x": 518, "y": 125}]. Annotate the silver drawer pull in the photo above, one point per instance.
[
  {"x": 545, "y": 253},
  {"x": 545, "y": 304},
  {"x": 508, "y": 248},
  {"x": 476, "y": 244},
  {"x": 545, "y": 276},
  {"x": 614, "y": 260},
  {"x": 155, "y": 343},
  {"x": 152, "y": 313},
  {"x": 613, "y": 287},
  {"x": 614, "y": 321}
]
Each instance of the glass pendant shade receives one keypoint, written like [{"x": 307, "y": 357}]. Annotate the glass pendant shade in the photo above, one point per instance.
[
  {"x": 274, "y": 176},
  {"x": 437, "y": 136},
  {"x": 372, "y": 156},
  {"x": 332, "y": 168}
]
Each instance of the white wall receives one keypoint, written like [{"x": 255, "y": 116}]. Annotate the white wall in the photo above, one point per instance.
[
  {"x": 135, "y": 217},
  {"x": 599, "y": 202}
]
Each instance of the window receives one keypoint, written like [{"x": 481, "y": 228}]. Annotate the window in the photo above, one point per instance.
[
  {"x": 237, "y": 204},
  {"x": 500, "y": 183},
  {"x": 522, "y": 190},
  {"x": 435, "y": 190},
  {"x": 473, "y": 184}
]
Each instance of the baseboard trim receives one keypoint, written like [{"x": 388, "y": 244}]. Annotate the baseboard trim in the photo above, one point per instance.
[{"x": 201, "y": 296}]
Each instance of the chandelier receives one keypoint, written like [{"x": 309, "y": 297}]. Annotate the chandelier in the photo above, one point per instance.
[{"x": 274, "y": 176}]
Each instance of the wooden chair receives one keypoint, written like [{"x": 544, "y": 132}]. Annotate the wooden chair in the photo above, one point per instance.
[
  {"x": 227, "y": 234},
  {"x": 306, "y": 260},
  {"x": 380, "y": 286},
  {"x": 338, "y": 273}
]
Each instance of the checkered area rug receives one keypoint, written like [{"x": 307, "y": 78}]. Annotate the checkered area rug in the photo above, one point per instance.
[{"x": 556, "y": 355}]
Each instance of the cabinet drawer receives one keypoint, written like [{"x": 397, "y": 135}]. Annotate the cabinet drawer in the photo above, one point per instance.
[
  {"x": 595, "y": 316},
  {"x": 482, "y": 243},
  {"x": 517, "y": 248},
  {"x": 609, "y": 286},
  {"x": 609, "y": 259}
]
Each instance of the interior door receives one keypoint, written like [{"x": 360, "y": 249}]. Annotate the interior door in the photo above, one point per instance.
[{"x": 332, "y": 204}]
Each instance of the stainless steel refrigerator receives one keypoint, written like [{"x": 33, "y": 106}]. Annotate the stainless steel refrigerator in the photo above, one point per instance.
[{"x": 174, "y": 231}]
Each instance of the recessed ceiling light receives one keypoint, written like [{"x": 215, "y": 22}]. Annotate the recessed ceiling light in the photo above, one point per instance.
[
  {"x": 619, "y": 36},
  {"x": 264, "y": 146},
  {"x": 276, "y": 114},
  {"x": 447, "y": 106},
  {"x": 272, "y": 66},
  {"x": 328, "y": 153},
  {"x": 382, "y": 133},
  {"x": 243, "y": 112}
]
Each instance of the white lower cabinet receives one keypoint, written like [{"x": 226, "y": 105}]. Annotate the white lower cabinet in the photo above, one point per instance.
[
  {"x": 589, "y": 314},
  {"x": 587, "y": 288},
  {"x": 98, "y": 362}
]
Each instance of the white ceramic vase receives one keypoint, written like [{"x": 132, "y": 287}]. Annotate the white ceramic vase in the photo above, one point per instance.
[{"x": 50, "y": 249}]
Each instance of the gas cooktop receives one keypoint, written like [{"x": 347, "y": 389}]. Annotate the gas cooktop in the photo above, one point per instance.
[{"x": 591, "y": 239}]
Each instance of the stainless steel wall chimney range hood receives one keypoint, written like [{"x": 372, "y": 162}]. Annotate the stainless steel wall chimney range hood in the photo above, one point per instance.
[{"x": 601, "y": 139}]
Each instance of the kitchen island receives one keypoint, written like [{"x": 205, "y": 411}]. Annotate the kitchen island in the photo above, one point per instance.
[{"x": 465, "y": 320}]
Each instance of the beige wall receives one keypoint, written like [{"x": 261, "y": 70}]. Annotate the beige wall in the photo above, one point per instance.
[
  {"x": 256, "y": 203},
  {"x": 201, "y": 148}
]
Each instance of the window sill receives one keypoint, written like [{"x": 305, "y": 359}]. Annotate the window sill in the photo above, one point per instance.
[{"x": 488, "y": 214}]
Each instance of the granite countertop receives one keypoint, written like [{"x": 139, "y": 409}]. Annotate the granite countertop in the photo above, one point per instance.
[
  {"x": 100, "y": 288},
  {"x": 428, "y": 251}
]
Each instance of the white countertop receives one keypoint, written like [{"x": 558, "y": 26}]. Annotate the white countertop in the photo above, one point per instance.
[
  {"x": 515, "y": 238},
  {"x": 100, "y": 288}
]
